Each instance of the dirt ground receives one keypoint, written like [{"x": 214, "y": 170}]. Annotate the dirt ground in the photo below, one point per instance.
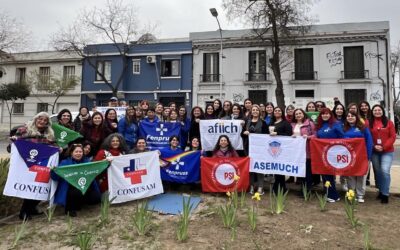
[{"x": 302, "y": 226}]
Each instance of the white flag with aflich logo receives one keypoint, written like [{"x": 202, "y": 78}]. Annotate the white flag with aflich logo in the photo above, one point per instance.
[
  {"x": 210, "y": 130},
  {"x": 282, "y": 155},
  {"x": 134, "y": 176}
]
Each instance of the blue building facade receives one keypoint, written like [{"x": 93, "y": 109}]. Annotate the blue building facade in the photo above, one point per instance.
[{"x": 157, "y": 72}]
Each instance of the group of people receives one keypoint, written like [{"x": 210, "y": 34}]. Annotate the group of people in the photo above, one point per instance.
[{"x": 105, "y": 135}]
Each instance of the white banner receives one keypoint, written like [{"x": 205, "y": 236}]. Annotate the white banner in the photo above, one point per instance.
[
  {"x": 120, "y": 111},
  {"x": 210, "y": 130},
  {"x": 282, "y": 155},
  {"x": 134, "y": 176},
  {"x": 30, "y": 182}
]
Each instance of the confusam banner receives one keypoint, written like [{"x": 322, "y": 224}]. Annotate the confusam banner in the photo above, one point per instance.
[
  {"x": 157, "y": 134},
  {"x": 134, "y": 176},
  {"x": 282, "y": 155},
  {"x": 345, "y": 157},
  {"x": 29, "y": 173},
  {"x": 210, "y": 130},
  {"x": 217, "y": 174}
]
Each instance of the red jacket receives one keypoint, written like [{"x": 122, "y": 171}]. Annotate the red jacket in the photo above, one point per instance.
[{"x": 387, "y": 135}]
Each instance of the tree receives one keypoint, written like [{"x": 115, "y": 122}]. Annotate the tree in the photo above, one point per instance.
[
  {"x": 395, "y": 64},
  {"x": 115, "y": 24},
  {"x": 275, "y": 23},
  {"x": 54, "y": 84},
  {"x": 11, "y": 92},
  {"x": 13, "y": 35}
]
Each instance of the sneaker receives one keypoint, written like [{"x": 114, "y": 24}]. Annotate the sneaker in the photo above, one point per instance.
[
  {"x": 385, "y": 199},
  {"x": 251, "y": 190},
  {"x": 360, "y": 199},
  {"x": 332, "y": 200},
  {"x": 345, "y": 188},
  {"x": 260, "y": 191}
]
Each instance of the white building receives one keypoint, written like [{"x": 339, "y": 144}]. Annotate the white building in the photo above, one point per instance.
[
  {"x": 19, "y": 67},
  {"x": 348, "y": 61}
]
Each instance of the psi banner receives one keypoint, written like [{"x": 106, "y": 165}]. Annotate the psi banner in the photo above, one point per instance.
[
  {"x": 29, "y": 173},
  {"x": 282, "y": 155},
  {"x": 134, "y": 176},
  {"x": 218, "y": 174},
  {"x": 210, "y": 130},
  {"x": 346, "y": 157}
]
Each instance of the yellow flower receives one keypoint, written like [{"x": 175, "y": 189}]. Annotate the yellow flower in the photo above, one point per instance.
[
  {"x": 327, "y": 184},
  {"x": 351, "y": 192},
  {"x": 256, "y": 196},
  {"x": 236, "y": 178},
  {"x": 228, "y": 194}
]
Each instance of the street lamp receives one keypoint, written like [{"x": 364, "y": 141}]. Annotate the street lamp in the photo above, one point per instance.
[{"x": 214, "y": 13}]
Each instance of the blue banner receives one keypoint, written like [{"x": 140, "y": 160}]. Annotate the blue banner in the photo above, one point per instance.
[
  {"x": 157, "y": 134},
  {"x": 181, "y": 168}
]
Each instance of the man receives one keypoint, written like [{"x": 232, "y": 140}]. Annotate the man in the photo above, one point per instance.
[{"x": 113, "y": 102}]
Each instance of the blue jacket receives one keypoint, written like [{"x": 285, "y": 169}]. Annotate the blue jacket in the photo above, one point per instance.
[
  {"x": 60, "y": 196},
  {"x": 184, "y": 133},
  {"x": 268, "y": 120},
  {"x": 326, "y": 132},
  {"x": 354, "y": 132},
  {"x": 129, "y": 132},
  {"x": 146, "y": 119}
]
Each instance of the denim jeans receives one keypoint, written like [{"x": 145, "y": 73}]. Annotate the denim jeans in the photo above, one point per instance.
[
  {"x": 332, "y": 193},
  {"x": 382, "y": 162}
]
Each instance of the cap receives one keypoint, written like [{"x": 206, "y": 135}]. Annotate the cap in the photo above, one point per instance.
[{"x": 113, "y": 98}]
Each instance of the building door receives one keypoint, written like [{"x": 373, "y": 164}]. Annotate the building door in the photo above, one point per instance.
[
  {"x": 354, "y": 95},
  {"x": 258, "y": 96}
]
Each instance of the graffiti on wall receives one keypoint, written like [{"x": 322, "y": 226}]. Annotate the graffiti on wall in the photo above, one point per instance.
[
  {"x": 371, "y": 55},
  {"x": 334, "y": 58},
  {"x": 238, "y": 97},
  {"x": 375, "y": 96}
]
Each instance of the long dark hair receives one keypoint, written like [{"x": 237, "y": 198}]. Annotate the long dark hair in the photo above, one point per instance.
[
  {"x": 320, "y": 121},
  {"x": 102, "y": 119},
  {"x": 59, "y": 116},
  {"x": 218, "y": 147},
  {"x": 359, "y": 124},
  {"x": 363, "y": 115},
  {"x": 201, "y": 113},
  {"x": 216, "y": 111},
  {"x": 106, "y": 114},
  {"x": 294, "y": 116},
  {"x": 372, "y": 118},
  {"x": 208, "y": 116},
  {"x": 315, "y": 107},
  {"x": 72, "y": 147},
  {"x": 240, "y": 110},
  {"x": 273, "y": 118},
  {"x": 223, "y": 112},
  {"x": 344, "y": 111},
  {"x": 130, "y": 120}
]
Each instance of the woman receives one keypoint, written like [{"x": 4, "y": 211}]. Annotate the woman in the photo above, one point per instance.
[
  {"x": 254, "y": 125},
  {"x": 302, "y": 126},
  {"x": 289, "y": 112},
  {"x": 197, "y": 114},
  {"x": 328, "y": 128},
  {"x": 354, "y": 128},
  {"x": 173, "y": 116},
  {"x": 339, "y": 112},
  {"x": 93, "y": 131},
  {"x": 87, "y": 150},
  {"x": 224, "y": 148},
  {"x": 69, "y": 196},
  {"x": 139, "y": 114},
  {"x": 269, "y": 112},
  {"x": 262, "y": 109},
  {"x": 172, "y": 105},
  {"x": 64, "y": 118},
  {"x": 195, "y": 144},
  {"x": 113, "y": 145},
  {"x": 140, "y": 147},
  {"x": 310, "y": 107},
  {"x": 165, "y": 113},
  {"x": 39, "y": 131},
  {"x": 217, "y": 106},
  {"x": 144, "y": 106},
  {"x": 319, "y": 105},
  {"x": 173, "y": 148},
  {"x": 84, "y": 115},
  {"x": 248, "y": 106},
  {"x": 384, "y": 136},
  {"x": 279, "y": 126},
  {"x": 159, "y": 111},
  {"x": 210, "y": 112},
  {"x": 226, "y": 111},
  {"x": 110, "y": 122},
  {"x": 128, "y": 127},
  {"x": 364, "y": 110},
  {"x": 185, "y": 125}
]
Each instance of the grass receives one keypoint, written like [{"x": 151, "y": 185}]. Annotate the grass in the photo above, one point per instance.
[
  {"x": 183, "y": 223},
  {"x": 142, "y": 219},
  {"x": 19, "y": 233}
]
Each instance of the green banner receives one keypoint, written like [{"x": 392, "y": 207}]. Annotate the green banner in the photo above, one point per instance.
[
  {"x": 64, "y": 135},
  {"x": 81, "y": 175},
  {"x": 313, "y": 116}
]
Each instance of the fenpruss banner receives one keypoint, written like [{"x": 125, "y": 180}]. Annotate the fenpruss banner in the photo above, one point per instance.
[
  {"x": 134, "y": 176},
  {"x": 282, "y": 155},
  {"x": 29, "y": 173},
  {"x": 210, "y": 130}
]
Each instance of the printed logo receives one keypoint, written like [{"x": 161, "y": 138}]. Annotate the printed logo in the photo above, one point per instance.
[
  {"x": 274, "y": 148},
  {"x": 63, "y": 134},
  {"x": 32, "y": 154},
  {"x": 339, "y": 156},
  {"x": 224, "y": 174},
  {"x": 177, "y": 163},
  {"x": 161, "y": 129},
  {"x": 131, "y": 172},
  {"x": 82, "y": 182},
  {"x": 42, "y": 173}
]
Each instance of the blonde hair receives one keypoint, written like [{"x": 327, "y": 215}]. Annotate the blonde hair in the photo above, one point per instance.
[{"x": 32, "y": 130}]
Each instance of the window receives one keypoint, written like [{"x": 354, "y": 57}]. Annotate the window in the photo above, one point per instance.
[
  {"x": 44, "y": 77},
  {"x": 18, "y": 108},
  {"x": 136, "y": 66},
  {"x": 354, "y": 62},
  {"x": 354, "y": 95},
  {"x": 258, "y": 96},
  {"x": 68, "y": 74},
  {"x": 42, "y": 107},
  {"x": 304, "y": 93},
  {"x": 303, "y": 64},
  {"x": 210, "y": 67},
  {"x": 170, "y": 67},
  {"x": 257, "y": 65},
  {"x": 104, "y": 67},
  {"x": 20, "y": 75}
]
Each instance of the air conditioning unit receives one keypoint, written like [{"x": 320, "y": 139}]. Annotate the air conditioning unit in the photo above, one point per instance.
[{"x": 151, "y": 59}]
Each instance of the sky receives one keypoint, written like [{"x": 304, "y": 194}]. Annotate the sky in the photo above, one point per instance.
[{"x": 176, "y": 18}]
